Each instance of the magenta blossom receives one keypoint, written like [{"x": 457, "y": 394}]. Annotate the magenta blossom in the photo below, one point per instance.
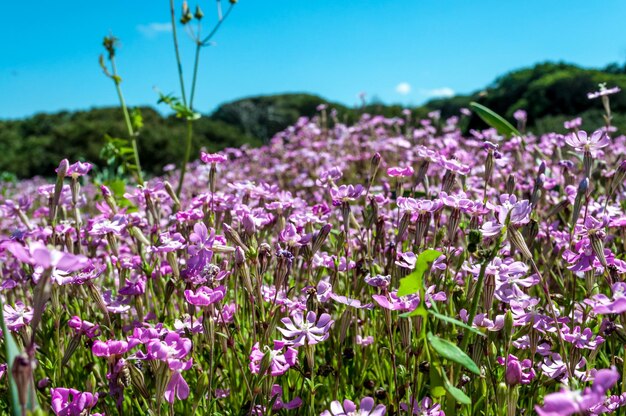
[
  {"x": 400, "y": 172},
  {"x": 78, "y": 169},
  {"x": 71, "y": 402},
  {"x": 205, "y": 296},
  {"x": 366, "y": 408},
  {"x": 567, "y": 402},
  {"x": 213, "y": 158},
  {"x": 281, "y": 358}
]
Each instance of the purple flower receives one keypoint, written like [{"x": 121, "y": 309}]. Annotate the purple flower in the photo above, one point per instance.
[
  {"x": 200, "y": 247},
  {"x": 366, "y": 408},
  {"x": 279, "y": 361},
  {"x": 177, "y": 387},
  {"x": 573, "y": 124},
  {"x": 401, "y": 172},
  {"x": 514, "y": 373},
  {"x": 520, "y": 115},
  {"x": 603, "y": 305},
  {"x": 17, "y": 317},
  {"x": 105, "y": 226},
  {"x": 213, "y": 157},
  {"x": 567, "y": 402},
  {"x": 84, "y": 327},
  {"x": 38, "y": 254},
  {"x": 78, "y": 169},
  {"x": 425, "y": 407},
  {"x": 311, "y": 330},
  {"x": 279, "y": 404},
  {"x": 111, "y": 347},
  {"x": 604, "y": 91},
  {"x": 172, "y": 349},
  {"x": 346, "y": 193},
  {"x": 583, "y": 143},
  {"x": 205, "y": 296},
  {"x": 71, "y": 402}
]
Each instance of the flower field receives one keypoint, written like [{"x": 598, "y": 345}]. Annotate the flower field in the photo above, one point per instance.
[{"x": 393, "y": 266}]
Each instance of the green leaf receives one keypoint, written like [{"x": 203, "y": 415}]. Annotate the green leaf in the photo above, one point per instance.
[
  {"x": 436, "y": 381},
  {"x": 419, "y": 311},
  {"x": 455, "y": 322},
  {"x": 450, "y": 351},
  {"x": 456, "y": 393},
  {"x": 414, "y": 282},
  {"x": 494, "y": 120}
]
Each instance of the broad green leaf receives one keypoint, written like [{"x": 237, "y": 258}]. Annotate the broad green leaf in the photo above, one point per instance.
[
  {"x": 458, "y": 394},
  {"x": 414, "y": 282},
  {"x": 450, "y": 351},
  {"x": 455, "y": 322},
  {"x": 494, "y": 120}
]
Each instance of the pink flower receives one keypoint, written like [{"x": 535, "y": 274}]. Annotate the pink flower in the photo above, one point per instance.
[
  {"x": 71, "y": 402},
  {"x": 581, "y": 142},
  {"x": 38, "y": 254},
  {"x": 366, "y": 408},
  {"x": 279, "y": 361},
  {"x": 78, "y": 169},
  {"x": 17, "y": 317},
  {"x": 567, "y": 402},
  {"x": 205, "y": 296},
  {"x": 604, "y": 91},
  {"x": 177, "y": 388},
  {"x": 213, "y": 158},
  {"x": 400, "y": 172}
]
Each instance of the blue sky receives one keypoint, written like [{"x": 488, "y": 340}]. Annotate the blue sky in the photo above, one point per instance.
[{"x": 400, "y": 51}]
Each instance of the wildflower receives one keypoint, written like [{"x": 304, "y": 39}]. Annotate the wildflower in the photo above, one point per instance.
[
  {"x": 604, "y": 91},
  {"x": 346, "y": 193},
  {"x": 279, "y": 361},
  {"x": 424, "y": 407},
  {"x": 17, "y": 317},
  {"x": 514, "y": 373},
  {"x": 213, "y": 158},
  {"x": 310, "y": 330},
  {"x": 366, "y": 408},
  {"x": 567, "y": 402},
  {"x": 279, "y": 404},
  {"x": 71, "y": 402},
  {"x": 400, "y": 172},
  {"x": 78, "y": 169},
  {"x": 581, "y": 142},
  {"x": 205, "y": 296}
]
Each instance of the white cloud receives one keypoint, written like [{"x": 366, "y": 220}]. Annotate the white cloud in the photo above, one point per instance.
[
  {"x": 151, "y": 30},
  {"x": 403, "y": 88},
  {"x": 439, "y": 92}
]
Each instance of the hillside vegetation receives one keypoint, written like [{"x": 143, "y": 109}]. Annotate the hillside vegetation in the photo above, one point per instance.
[{"x": 550, "y": 93}]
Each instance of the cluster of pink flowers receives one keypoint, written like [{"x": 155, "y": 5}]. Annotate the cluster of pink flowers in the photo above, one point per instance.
[{"x": 291, "y": 277}]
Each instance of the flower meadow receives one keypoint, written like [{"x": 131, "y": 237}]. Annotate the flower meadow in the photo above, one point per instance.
[{"x": 392, "y": 266}]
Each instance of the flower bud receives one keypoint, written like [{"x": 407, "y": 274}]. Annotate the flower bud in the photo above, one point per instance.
[
  {"x": 513, "y": 373},
  {"x": 578, "y": 201},
  {"x": 510, "y": 185},
  {"x": 198, "y": 13}
]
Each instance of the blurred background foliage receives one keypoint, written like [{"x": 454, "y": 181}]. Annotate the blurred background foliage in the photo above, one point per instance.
[{"x": 549, "y": 92}]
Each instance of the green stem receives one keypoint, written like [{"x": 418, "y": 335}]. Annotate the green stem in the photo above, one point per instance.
[
  {"x": 178, "y": 62},
  {"x": 195, "y": 74},
  {"x": 129, "y": 125},
  {"x": 183, "y": 167}
]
